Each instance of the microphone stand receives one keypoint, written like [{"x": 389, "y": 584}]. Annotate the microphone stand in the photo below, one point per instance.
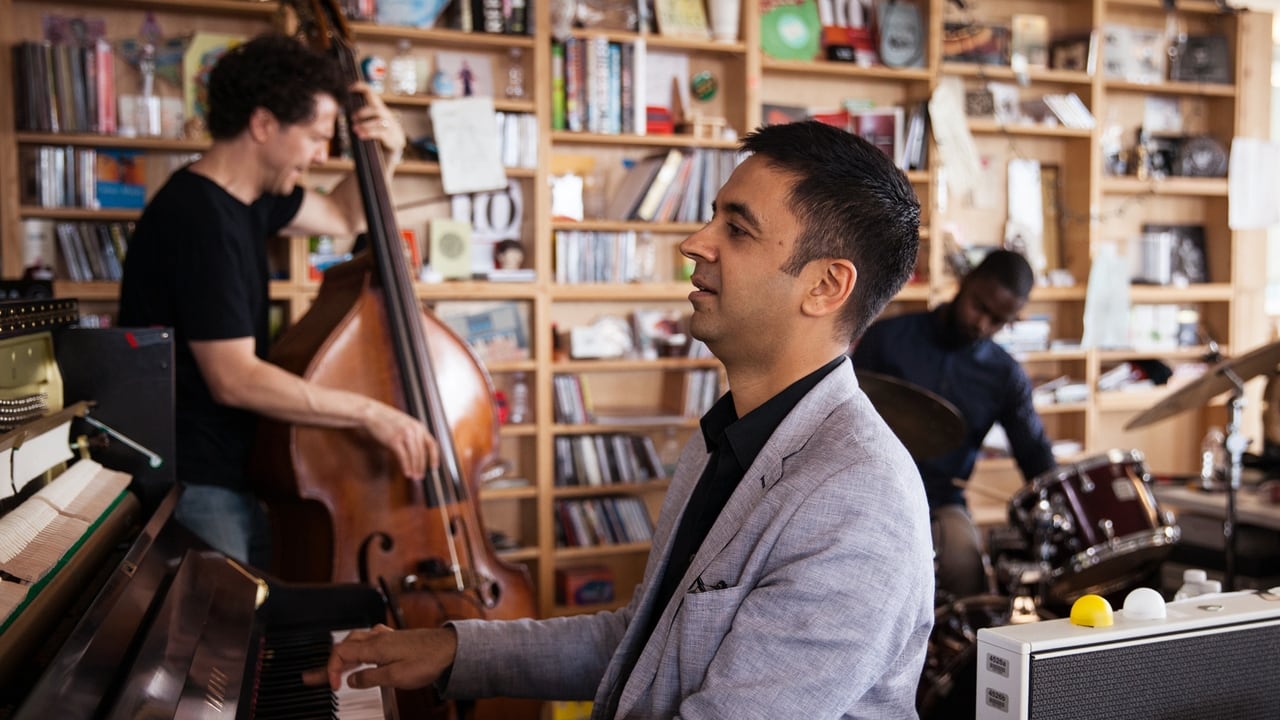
[{"x": 1235, "y": 444}]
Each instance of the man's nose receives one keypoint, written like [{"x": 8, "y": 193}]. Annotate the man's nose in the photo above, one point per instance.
[{"x": 696, "y": 245}]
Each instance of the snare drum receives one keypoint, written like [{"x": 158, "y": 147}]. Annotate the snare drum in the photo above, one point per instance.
[{"x": 1099, "y": 523}]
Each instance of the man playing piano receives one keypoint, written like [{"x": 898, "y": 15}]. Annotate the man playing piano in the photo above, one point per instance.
[
  {"x": 198, "y": 263},
  {"x": 791, "y": 572}
]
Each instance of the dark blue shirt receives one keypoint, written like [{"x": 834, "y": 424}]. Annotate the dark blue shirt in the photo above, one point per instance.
[{"x": 983, "y": 381}]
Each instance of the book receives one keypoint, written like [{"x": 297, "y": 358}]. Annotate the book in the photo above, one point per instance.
[
  {"x": 662, "y": 182},
  {"x": 882, "y": 127},
  {"x": 39, "y": 243},
  {"x": 626, "y": 198},
  {"x": 497, "y": 331},
  {"x": 682, "y": 19},
  {"x": 121, "y": 178}
]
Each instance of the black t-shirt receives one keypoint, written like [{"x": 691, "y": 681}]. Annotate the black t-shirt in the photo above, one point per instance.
[{"x": 197, "y": 262}]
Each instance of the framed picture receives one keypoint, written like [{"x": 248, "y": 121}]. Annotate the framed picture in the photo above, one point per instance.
[
  {"x": 1029, "y": 40},
  {"x": 1173, "y": 254},
  {"x": 1202, "y": 59},
  {"x": 976, "y": 43}
]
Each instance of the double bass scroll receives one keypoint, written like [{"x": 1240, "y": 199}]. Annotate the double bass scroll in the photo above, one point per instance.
[{"x": 341, "y": 510}]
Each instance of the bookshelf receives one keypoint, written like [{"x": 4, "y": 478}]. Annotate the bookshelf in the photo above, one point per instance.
[{"x": 646, "y": 396}]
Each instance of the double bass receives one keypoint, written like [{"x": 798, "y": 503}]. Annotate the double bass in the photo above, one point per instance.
[{"x": 341, "y": 510}]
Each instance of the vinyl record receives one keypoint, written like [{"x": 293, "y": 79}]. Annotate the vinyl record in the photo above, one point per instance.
[{"x": 791, "y": 32}]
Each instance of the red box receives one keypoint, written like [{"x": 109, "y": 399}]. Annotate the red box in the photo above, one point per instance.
[{"x": 587, "y": 585}]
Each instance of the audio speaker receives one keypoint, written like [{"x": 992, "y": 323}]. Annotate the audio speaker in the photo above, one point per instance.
[
  {"x": 451, "y": 249},
  {"x": 1212, "y": 657}
]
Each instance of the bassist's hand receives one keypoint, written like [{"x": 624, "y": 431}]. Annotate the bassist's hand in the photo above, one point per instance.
[{"x": 405, "y": 436}]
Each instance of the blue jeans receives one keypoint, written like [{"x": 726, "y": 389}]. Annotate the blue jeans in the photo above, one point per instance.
[{"x": 231, "y": 522}]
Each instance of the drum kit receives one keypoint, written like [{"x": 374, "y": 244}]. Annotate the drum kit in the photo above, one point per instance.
[{"x": 1089, "y": 527}]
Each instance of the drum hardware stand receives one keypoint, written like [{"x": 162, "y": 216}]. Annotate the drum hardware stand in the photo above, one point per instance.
[
  {"x": 1235, "y": 445},
  {"x": 1046, "y": 521}
]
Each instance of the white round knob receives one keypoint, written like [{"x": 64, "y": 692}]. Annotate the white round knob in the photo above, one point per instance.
[{"x": 1144, "y": 604}]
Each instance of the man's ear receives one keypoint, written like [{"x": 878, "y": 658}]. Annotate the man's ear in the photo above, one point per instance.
[
  {"x": 261, "y": 123},
  {"x": 832, "y": 284}
]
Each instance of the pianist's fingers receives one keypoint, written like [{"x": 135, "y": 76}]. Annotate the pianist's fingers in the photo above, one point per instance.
[{"x": 401, "y": 658}]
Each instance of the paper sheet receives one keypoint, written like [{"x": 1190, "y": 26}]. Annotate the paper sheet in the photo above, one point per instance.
[
  {"x": 466, "y": 131},
  {"x": 1253, "y": 175},
  {"x": 1106, "y": 301},
  {"x": 954, "y": 141}
]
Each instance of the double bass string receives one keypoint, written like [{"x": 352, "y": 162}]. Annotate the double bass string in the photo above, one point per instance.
[{"x": 413, "y": 357}]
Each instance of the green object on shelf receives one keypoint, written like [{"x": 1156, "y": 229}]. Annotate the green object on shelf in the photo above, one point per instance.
[{"x": 791, "y": 32}]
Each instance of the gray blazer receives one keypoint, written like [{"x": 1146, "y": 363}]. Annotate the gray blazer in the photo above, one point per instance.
[{"x": 815, "y": 601}]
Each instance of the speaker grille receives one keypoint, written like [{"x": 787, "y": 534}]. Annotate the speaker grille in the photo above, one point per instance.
[{"x": 1225, "y": 675}]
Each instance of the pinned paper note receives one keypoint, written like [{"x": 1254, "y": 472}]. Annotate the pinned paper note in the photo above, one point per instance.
[{"x": 466, "y": 133}]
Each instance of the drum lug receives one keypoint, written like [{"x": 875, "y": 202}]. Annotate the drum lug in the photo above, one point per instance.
[{"x": 1108, "y": 528}]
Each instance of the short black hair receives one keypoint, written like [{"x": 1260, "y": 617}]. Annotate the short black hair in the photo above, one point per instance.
[
  {"x": 271, "y": 71},
  {"x": 852, "y": 203},
  {"x": 1008, "y": 268}
]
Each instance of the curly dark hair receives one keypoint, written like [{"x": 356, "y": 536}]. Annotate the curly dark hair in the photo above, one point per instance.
[
  {"x": 271, "y": 71},
  {"x": 853, "y": 203}
]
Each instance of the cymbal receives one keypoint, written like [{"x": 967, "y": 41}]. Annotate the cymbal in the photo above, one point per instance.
[
  {"x": 1198, "y": 392},
  {"x": 927, "y": 424}
]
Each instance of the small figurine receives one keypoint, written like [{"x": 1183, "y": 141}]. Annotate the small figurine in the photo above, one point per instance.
[
  {"x": 509, "y": 255},
  {"x": 467, "y": 78}
]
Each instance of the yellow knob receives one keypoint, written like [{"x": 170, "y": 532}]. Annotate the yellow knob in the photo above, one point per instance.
[{"x": 1091, "y": 611}]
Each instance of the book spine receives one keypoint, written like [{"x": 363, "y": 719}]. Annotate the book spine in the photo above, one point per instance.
[
  {"x": 613, "y": 114},
  {"x": 558, "y": 87},
  {"x": 105, "y": 77},
  {"x": 574, "y": 93},
  {"x": 626, "y": 88}
]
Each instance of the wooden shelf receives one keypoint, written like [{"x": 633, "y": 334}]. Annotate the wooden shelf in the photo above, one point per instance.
[
  {"x": 991, "y": 127},
  {"x": 1207, "y": 187},
  {"x": 1004, "y": 72},
  {"x": 1200, "y": 292},
  {"x": 846, "y": 70},
  {"x": 150, "y": 144},
  {"x": 633, "y": 365},
  {"x": 263, "y": 9},
  {"x": 441, "y": 37},
  {"x": 639, "y": 292},
  {"x": 640, "y": 488},
  {"x": 68, "y": 213},
  {"x": 661, "y": 42},
  {"x": 630, "y": 425},
  {"x": 599, "y": 551},
  {"x": 566, "y": 137},
  {"x": 1172, "y": 87}
]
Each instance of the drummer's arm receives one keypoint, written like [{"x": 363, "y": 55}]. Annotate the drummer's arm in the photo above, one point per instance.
[{"x": 1028, "y": 442}]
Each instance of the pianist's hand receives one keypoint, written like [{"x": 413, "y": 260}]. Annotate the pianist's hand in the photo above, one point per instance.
[{"x": 403, "y": 659}]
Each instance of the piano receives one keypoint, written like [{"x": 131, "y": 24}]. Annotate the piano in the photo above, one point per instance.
[
  {"x": 109, "y": 608},
  {"x": 182, "y": 631}
]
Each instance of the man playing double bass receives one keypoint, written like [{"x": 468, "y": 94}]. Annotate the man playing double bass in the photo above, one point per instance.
[{"x": 198, "y": 262}]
